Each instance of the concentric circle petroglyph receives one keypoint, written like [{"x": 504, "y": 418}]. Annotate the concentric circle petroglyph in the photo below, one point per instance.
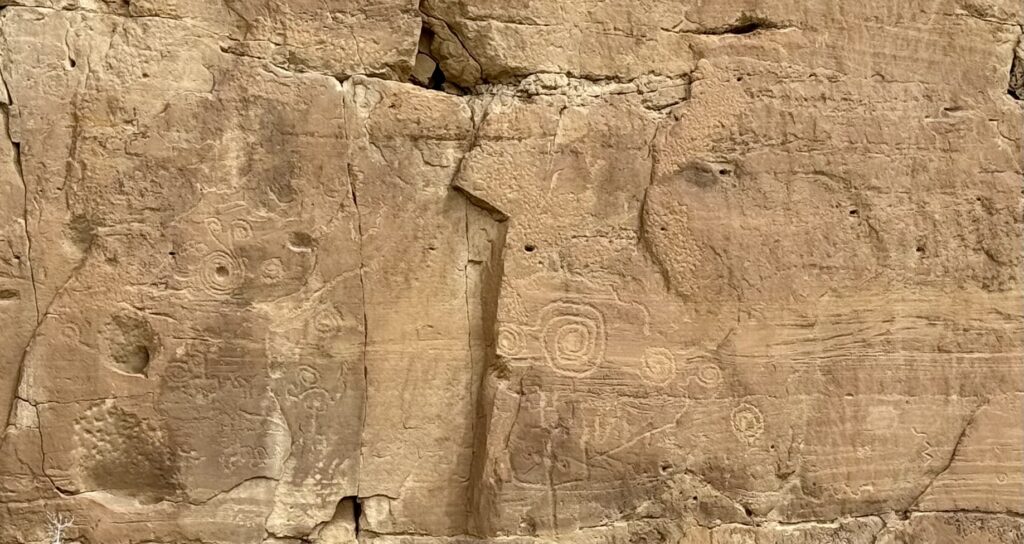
[
  {"x": 573, "y": 338},
  {"x": 327, "y": 322},
  {"x": 659, "y": 366},
  {"x": 709, "y": 375},
  {"x": 747, "y": 422},
  {"x": 511, "y": 340},
  {"x": 308, "y": 376},
  {"x": 221, "y": 273},
  {"x": 241, "y": 229}
]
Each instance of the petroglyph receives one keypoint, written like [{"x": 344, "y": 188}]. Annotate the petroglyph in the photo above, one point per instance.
[
  {"x": 747, "y": 422},
  {"x": 451, "y": 271},
  {"x": 573, "y": 338}
]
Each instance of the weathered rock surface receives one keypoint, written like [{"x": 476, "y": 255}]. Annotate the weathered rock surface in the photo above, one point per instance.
[{"x": 447, "y": 272}]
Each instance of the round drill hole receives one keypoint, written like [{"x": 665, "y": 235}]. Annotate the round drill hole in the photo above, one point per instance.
[{"x": 530, "y": 248}]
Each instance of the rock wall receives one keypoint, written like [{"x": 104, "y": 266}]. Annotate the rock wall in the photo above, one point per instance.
[{"x": 521, "y": 271}]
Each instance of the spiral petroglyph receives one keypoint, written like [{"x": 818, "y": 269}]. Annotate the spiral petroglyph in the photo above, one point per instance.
[
  {"x": 747, "y": 422},
  {"x": 573, "y": 338},
  {"x": 221, "y": 273},
  {"x": 511, "y": 340},
  {"x": 527, "y": 272},
  {"x": 241, "y": 230},
  {"x": 659, "y": 366}
]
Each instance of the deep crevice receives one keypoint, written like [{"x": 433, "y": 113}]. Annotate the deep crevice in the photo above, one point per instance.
[
  {"x": 1016, "y": 86},
  {"x": 744, "y": 24},
  {"x": 353, "y": 174},
  {"x": 427, "y": 70},
  {"x": 357, "y": 513}
]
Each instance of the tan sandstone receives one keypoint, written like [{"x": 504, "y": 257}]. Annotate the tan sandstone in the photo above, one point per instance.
[{"x": 524, "y": 272}]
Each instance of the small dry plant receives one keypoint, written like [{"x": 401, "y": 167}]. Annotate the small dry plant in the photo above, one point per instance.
[{"x": 56, "y": 524}]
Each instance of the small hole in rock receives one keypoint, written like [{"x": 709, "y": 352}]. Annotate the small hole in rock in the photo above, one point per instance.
[
  {"x": 172, "y": 253},
  {"x": 748, "y": 511},
  {"x": 919, "y": 249},
  {"x": 854, "y": 212},
  {"x": 530, "y": 248},
  {"x": 8, "y": 294},
  {"x": 724, "y": 172},
  {"x": 72, "y": 63},
  {"x": 222, "y": 272}
]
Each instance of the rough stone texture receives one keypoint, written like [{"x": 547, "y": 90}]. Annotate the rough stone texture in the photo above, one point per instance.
[{"x": 285, "y": 271}]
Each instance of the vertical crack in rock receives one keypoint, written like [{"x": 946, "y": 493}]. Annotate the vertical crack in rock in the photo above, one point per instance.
[
  {"x": 357, "y": 514},
  {"x": 952, "y": 456},
  {"x": 19, "y": 171},
  {"x": 362, "y": 286},
  {"x": 63, "y": 492},
  {"x": 481, "y": 217},
  {"x": 18, "y": 168}
]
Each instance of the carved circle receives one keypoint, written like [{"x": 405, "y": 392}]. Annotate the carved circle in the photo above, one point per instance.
[
  {"x": 659, "y": 366},
  {"x": 241, "y": 229},
  {"x": 308, "y": 376},
  {"x": 747, "y": 422},
  {"x": 214, "y": 225},
  {"x": 709, "y": 375},
  {"x": 573, "y": 338},
  {"x": 327, "y": 322},
  {"x": 221, "y": 273},
  {"x": 316, "y": 400},
  {"x": 511, "y": 340}
]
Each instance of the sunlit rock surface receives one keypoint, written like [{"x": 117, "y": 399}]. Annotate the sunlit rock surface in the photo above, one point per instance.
[{"x": 285, "y": 271}]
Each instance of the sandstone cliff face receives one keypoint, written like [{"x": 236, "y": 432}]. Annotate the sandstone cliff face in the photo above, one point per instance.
[{"x": 453, "y": 271}]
